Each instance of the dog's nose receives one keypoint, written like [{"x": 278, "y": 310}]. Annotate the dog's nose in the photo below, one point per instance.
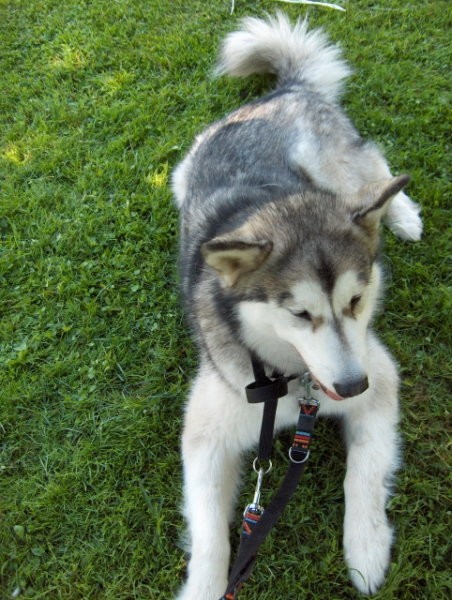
[{"x": 351, "y": 387}]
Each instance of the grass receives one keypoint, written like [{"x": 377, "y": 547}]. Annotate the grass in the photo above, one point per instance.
[{"x": 98, "y": 101}]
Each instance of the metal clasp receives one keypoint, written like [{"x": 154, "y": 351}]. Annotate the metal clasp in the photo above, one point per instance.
[
  {"x": 257, "y": 491},
  {"x": 309, "y": 385},
  {"x": 254, "y": 505}
]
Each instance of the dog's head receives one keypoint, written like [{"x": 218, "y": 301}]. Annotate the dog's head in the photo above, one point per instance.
[{"x": 302, "y": 275}]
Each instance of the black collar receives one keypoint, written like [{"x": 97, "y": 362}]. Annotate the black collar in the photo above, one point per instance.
[{"x": 264, "y": 387}]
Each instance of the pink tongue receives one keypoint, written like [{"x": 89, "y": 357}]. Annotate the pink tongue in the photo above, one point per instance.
[
  {"x": 332, "y": 395},
  {"x": 329, "y": 393}
]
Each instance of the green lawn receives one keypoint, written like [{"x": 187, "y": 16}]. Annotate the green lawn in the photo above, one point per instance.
[{"x": 98, "y": 100}]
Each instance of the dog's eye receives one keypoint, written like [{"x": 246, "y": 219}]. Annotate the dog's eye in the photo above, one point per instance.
[
  {"x": 304, "y": 314},
  {"x": 354, "y": 302}
]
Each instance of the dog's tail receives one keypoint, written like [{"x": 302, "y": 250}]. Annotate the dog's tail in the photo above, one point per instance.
[{"x": 273, "y": 45}]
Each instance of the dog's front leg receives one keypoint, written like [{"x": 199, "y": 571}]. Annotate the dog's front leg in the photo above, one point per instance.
[
  {"x": 372, "y": 442},
  {"x": 211, "y": 469}
]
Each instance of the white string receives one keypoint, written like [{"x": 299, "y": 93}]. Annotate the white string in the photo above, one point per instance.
[
  {"x": 325, "y": 4},
  {"x": 312, "y": 2}
]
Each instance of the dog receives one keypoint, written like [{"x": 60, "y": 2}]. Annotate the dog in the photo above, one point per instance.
[{"x": 280, "y": 209}]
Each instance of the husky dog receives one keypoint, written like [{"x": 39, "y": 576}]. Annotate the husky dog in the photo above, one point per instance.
[{"x": 280, "y": 206}]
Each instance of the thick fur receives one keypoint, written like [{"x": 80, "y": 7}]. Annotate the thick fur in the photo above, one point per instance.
[{"x": 280, "y": 205}]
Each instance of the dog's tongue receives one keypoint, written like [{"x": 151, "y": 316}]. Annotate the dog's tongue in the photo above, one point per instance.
[
  {"x": 332, "y": 395},
  {"x": 329, "y": 393}
]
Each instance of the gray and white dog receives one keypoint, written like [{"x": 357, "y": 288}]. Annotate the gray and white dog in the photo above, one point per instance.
[{"x": 280, "y": 207}]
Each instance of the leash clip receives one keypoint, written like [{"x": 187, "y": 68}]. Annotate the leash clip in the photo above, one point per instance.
[
  {"x": 307, "y": 397},
  {"x": 257, "y": 491},
  {"x": 254, "y": 511},
  {"x": 254, "y": 506}
]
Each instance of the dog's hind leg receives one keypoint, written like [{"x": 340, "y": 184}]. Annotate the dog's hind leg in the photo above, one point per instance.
[
  {"x": 403, "y": 214},
  {"x": 372, "y": 443},
  {"x": 361, "y": 163},
  {"x": 403, "y": 218},
  {"x": 211, "y": 454}
]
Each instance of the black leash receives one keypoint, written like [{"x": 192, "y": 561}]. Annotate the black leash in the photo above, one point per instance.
[
  {"x": 257, "y": 522},
  {"x": 266, "y": 390}
]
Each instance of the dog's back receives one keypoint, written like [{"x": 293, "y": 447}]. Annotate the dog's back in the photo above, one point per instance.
[{"x": 310, "y": 74}]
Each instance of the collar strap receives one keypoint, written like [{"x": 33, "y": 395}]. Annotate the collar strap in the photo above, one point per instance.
[{"x": 264, "y": 388}]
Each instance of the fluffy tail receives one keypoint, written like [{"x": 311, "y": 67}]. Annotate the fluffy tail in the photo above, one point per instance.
[{"x": 273, "y": 45}]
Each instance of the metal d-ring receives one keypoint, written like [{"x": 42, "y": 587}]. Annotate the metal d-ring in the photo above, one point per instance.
[
  {"x": 298, "y": 462},
  {"x": 257, "y": 470}
]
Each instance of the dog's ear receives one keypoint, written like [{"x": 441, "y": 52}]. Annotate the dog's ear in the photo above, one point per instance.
[
  {"x": 234, "y": 258},
  {"x": 374, "y": 199}
]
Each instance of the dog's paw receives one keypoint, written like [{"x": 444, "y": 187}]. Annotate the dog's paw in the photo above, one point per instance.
[
  {"x": 367, "y": 553},
  {"x": 403, "y": 218}
]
